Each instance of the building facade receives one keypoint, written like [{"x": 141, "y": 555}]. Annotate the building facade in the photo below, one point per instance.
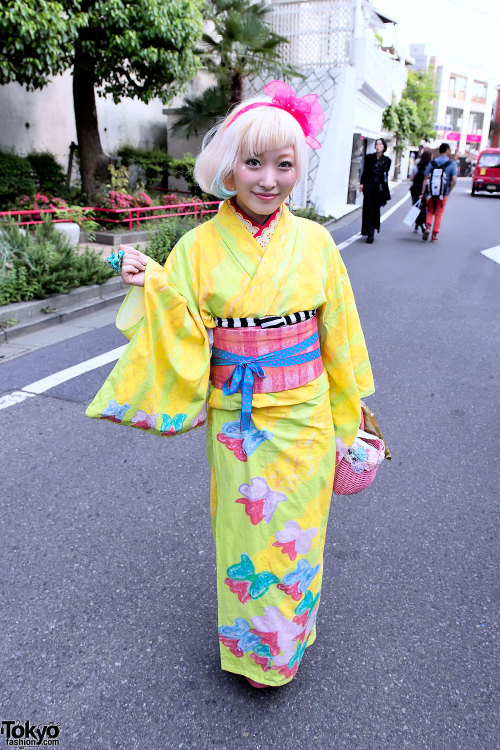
[{"x": 462, "y": 109}]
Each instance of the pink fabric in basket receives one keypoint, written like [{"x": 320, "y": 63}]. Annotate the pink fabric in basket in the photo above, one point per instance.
[
  {"x": 346, "y": 481},
  {"x": 253, "y": 342}
]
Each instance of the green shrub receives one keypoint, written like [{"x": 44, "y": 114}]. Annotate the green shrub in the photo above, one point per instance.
[
  {"x": 49, "y": 173},
  {"x": 184, "y": 169},
  {"x": 158, "y": 165},
  {"x": 310, "y": 213},
  {"x": 16, "y": 178},
  {"x": 154, "y": 161},
  {"x": 166, "y": 235},
  {"x": 37, "y": 263}
]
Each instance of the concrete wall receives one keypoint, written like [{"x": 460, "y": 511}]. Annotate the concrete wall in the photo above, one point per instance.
[{"x": 44, "y": 120}]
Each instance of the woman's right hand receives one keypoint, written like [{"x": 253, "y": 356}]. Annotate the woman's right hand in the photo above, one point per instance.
[
  {"x": 361, "y": 188},
  {"x": 133, "y": 266}
]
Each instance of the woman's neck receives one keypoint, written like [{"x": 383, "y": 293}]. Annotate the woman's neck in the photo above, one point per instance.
[{"x": 256, "y": 218}]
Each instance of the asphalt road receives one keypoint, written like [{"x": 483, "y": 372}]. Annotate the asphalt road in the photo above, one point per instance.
[{"x": 108, "y": 617}]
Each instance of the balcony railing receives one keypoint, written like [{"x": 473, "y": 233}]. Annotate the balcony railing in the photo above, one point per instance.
[{"x": 319, "y": 31}]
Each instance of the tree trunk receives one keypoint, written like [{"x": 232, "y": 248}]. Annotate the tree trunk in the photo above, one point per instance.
[
  {"x": 93, "y": 160},
  {"x": 236, "y": 90},
  {"x": 397, "y": 158}
]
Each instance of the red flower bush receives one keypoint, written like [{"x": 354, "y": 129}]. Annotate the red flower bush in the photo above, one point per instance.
[{"x": 40, "y": 201}]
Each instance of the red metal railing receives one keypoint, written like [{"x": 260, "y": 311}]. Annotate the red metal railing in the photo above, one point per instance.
[{"x": 128, "y": 216}]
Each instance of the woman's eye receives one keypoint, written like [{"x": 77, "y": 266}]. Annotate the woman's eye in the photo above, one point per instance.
[
  {"x": 286, "y": 165},
  {"x": 253, "y": 162}
]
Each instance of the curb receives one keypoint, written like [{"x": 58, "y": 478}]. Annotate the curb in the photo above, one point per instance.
[{"x": 59, "y": 308}]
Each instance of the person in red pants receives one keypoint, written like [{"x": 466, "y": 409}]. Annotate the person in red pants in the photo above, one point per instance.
[{"x": 446, "y": 169}]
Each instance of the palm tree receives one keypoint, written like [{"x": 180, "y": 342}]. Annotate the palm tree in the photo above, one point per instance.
[{"x": 241, "y": 44}]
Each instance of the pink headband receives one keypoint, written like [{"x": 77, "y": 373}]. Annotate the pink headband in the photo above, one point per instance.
[{"x": 306, "y": 109}]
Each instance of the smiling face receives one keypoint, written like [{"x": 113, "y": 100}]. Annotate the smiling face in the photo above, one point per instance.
[{"x": 262, "y": 182}]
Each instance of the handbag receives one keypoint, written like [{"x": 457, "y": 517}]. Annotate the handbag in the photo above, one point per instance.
[
  {"x": 358, "y": 467},
  {"x": 412, "y": 214}
]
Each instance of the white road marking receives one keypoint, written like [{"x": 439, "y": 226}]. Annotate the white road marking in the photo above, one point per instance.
[
  {"x": 40, "y": 386},
  {"x": 493, "y": 253},
  {"x": 385, "y": 216},
  {"x": 14, "y": 398}
]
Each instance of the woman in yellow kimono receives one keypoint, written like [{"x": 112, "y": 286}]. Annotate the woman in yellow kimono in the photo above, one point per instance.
[{"x": 251, "y": 326}]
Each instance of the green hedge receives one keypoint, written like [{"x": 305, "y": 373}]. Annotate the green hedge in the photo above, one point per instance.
[
  {"x": 157, "y": 165},
  {"x": 49, "y": 173},
  {"x": 37, "y": 263},
  {"x": 17, "y": 178}
]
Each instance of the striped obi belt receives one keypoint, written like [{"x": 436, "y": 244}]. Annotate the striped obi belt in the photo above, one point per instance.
[{"x": 264, "y": 359}]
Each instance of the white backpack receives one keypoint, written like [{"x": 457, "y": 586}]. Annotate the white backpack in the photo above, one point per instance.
[{"x": 438, "y": 179}]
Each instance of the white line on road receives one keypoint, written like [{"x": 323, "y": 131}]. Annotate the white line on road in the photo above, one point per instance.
[
  {"x": 493, "y": 253},
  {"x": 385, "y": 216},
  {"x": 40, "y": 386}
]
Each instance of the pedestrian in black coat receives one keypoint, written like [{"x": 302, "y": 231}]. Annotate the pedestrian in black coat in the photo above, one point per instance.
[
  {"x": 375, "y": 188},
  {"x": 416, "y": 189}
]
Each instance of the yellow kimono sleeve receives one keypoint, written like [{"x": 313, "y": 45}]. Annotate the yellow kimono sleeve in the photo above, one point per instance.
[
  {"x": 343, "y": 350},
  {"x": 160, "y": 382}
]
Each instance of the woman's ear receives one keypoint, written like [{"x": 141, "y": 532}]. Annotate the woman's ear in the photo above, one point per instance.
[{"x": 228, "y": 182}]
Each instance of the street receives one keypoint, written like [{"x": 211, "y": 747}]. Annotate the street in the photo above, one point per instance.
[{"x": 108, "y": 623}]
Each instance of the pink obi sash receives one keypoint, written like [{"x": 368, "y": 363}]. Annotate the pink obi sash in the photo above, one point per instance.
[{"x": 257, "y": 342}]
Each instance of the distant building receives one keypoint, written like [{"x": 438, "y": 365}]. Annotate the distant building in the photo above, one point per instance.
[{"x": 462, "y": 110}]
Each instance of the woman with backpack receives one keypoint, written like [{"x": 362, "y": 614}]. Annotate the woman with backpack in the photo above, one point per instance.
[
  {"x": 375, "y": 188},
  {"x": 416, "y": 189}
]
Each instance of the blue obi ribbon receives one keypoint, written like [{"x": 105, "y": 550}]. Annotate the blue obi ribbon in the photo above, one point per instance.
[{"x": 246, "y": 367}]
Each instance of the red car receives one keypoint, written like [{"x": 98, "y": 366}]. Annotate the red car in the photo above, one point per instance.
[{"x": 487, "y": 172}]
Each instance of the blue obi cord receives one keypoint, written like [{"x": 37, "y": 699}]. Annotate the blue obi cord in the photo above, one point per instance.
[{"x": 245, "y": 368}]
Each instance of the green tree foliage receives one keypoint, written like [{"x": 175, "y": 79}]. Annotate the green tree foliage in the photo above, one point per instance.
[
  {"x": 412, "y": 118},
  {"x": 141, "y": 49},
  {"x": 420, "y": 90},
  {"x": 241, "y": 44}
]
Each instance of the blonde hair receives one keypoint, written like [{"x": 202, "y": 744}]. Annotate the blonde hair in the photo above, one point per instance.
[{"x": 254, "y": 132}]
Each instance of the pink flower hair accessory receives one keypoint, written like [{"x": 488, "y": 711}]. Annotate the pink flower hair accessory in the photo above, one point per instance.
[{"x": 305, "y": 109}]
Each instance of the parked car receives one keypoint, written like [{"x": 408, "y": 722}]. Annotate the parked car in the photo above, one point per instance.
[{"x": 487, "y": 172}]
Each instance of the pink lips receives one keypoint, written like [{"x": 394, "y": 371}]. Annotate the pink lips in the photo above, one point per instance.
[{"x": 266, "y": 196}]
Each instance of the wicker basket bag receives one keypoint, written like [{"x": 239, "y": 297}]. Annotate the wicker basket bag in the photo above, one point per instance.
[{"x": 358, "y": 467}]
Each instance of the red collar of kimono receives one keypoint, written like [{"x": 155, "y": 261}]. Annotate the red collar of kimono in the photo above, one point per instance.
[{"x": 258, "y": 229}]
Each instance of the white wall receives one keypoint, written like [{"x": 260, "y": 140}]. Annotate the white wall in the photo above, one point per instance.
[{"x": 50, "y": 115}]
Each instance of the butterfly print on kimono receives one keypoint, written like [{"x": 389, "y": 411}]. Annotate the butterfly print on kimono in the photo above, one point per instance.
[
  {"x": 297, "y": 582},
  {"x": 115, "y": 412},
  {"x": 277, "y": 632},
  {"x": 238, "y": 637},
  {"x": 171, "y": 426},
  {"x": 260, "y": 500},
  {"x": 246, "y": 583},
  {"x": 294, "y": 539},
  {"x": 304, "y": 608},
  {"x": 143, "y": 420},
  {"x": 290, "y": 668},
  {"x": 243, "y": 444}
]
